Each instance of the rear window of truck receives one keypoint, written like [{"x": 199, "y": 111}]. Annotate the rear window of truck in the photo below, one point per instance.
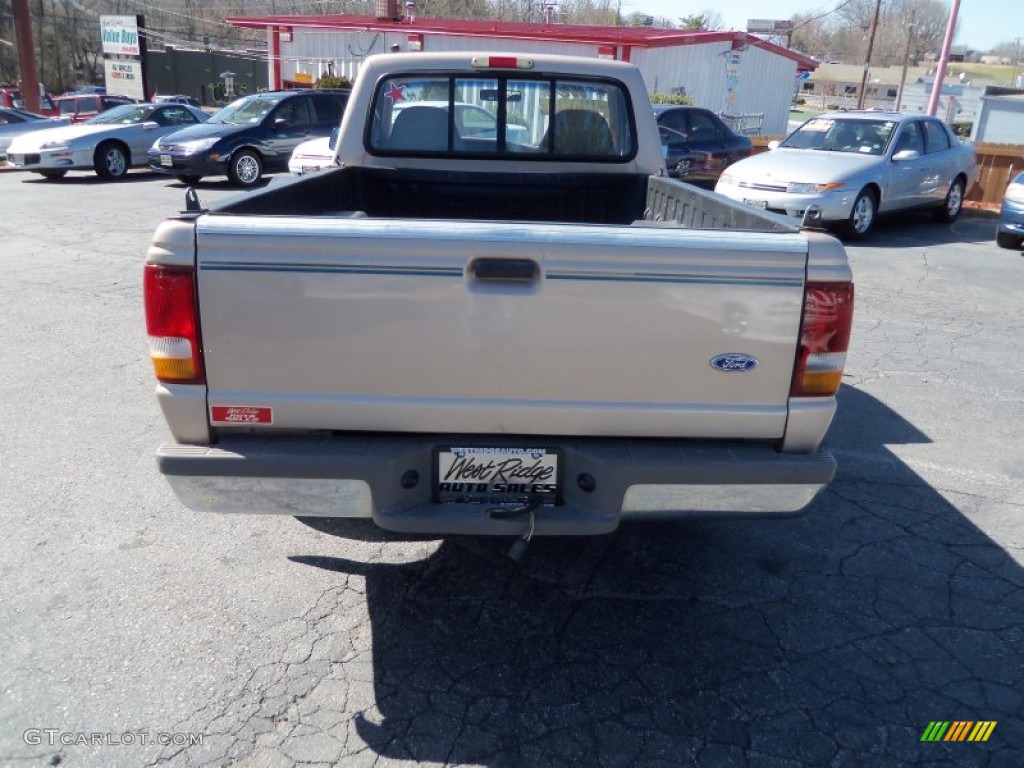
[{"x": 507, "y": 117}]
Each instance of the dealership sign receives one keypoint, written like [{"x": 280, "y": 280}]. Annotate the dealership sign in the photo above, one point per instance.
[
  {"x": 120, "y": 35},
  {"x": 770, "y": 26}
]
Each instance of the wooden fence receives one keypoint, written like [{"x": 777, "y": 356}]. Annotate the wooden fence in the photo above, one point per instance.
[{"x": 997, "y": 163}]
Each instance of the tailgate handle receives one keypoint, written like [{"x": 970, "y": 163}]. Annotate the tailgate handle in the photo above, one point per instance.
[{"x": 520, "y": 270}]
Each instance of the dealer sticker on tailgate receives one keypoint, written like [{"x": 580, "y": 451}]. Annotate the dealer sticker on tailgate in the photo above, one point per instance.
[{"x": 496, "y": 475}]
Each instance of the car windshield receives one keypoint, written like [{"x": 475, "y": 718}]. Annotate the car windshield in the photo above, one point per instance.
[
  {"x": 248, "y": 111},
  {"x": 126, "y": 114},
  {"x": 832, "y": 134}
]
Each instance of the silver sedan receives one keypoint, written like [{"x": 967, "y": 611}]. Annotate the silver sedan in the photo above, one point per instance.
[
  {"x": 844, "y": 168},
  {"x": 14, "y": 122},
  {"x": 110, "y": 143}
]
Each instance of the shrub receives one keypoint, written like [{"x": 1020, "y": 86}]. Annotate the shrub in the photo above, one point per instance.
[
  {"x": 332, "y": 81},
  {"x": 962, "y": 128},
  {"x": 670, "y": 98}
]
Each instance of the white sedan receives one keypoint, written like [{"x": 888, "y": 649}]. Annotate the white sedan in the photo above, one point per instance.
[
  {"x": 313, "y": 155},
  {"x": 110, "y": 143}
]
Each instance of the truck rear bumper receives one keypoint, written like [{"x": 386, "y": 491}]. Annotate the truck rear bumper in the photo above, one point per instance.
[{"x": 605, "y": 480}]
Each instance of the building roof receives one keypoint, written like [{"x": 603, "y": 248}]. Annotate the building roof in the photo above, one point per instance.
[{"x": 640, "y": 37}]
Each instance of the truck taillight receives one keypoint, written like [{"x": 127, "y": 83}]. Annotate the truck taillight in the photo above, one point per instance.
[
  {"x": 824, "y": 339},
  {"x": 172, "y": 322}
]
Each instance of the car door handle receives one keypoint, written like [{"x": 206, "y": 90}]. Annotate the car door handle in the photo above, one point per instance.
[{"x": 505, "y": 270}]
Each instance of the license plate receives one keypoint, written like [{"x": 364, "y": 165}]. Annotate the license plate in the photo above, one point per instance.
[
  {"x": 310, "y": 168},
  {"x": 756, "y": 203},
  {"x": 166, "y": 161},
  {"x": 497, "y": 475}
]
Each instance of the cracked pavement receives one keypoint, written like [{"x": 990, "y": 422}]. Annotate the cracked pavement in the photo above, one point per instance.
[{"x": 832, "y": 639}]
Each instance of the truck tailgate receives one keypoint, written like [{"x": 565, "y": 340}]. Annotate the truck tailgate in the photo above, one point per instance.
[{"x": 467, "y": 327}]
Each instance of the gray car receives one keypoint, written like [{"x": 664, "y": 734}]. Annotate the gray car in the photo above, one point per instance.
[{"x": 845, "y": 168}]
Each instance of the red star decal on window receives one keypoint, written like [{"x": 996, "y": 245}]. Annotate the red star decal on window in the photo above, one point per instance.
[{"x": 396, "y": 93}]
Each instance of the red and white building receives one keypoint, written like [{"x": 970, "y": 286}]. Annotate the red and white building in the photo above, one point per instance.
[{"x": 728, "y": 72}]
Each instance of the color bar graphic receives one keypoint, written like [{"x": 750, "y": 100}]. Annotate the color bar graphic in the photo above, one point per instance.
[{"x": 958, "y": 730}]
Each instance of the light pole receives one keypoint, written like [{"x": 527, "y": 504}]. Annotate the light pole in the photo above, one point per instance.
[{"x": 940, "y": 72}]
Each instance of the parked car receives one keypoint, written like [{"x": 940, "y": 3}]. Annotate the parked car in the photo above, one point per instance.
[
  {"x": 250, "y": 137},
  {"x": 11, "y": 98},
  {"x": 80, "y": 89},
  {"x": 1010, "y": 231},
  {"x": 314, "y": 154},
  {"x": 14, "y": 122},
  {"x": 848, "y": 167},
  {"x": 161, "y": 98},
  {"x": 109, "y": 143},
  {"x": 81, "y": 107},
  {"x": 698, "y": 145}
]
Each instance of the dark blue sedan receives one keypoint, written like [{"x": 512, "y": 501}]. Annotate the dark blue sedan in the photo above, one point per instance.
[
  {"x": 249, "y": 137},
  {"x": 697, "y": 144}
]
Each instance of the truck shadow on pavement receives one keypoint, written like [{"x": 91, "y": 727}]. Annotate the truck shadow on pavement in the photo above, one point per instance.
[
  {"x": 830, "y": 639},
  {"x": 89, "y": 178},
  {"x": 918, "y": 229}
]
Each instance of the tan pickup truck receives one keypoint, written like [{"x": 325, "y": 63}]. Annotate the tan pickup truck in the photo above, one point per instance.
[{"x": 497, "y": 320}]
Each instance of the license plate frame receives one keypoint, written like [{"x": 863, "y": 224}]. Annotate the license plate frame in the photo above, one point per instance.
[{"x": 497, "y": 475}]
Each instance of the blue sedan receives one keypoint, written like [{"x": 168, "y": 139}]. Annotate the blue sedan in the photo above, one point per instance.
[{"x": 1010, "y": 231}]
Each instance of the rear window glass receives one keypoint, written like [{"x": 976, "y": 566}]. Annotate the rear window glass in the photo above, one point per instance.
[{"x": 502, "y": 116}]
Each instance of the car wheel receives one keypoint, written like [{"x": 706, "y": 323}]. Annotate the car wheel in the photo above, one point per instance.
[
  {"x": 245, "y": 169},
  {"x": 190, "y": 179},
  {"x": 52, "y": 175},
  {"x": 1006, "y": 240},
  {"x": 953, "y": 203},
  {"x": 862, "y": 216},
  {"x": 111, "y": 161}
]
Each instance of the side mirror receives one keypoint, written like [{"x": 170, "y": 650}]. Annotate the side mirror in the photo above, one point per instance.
[
  {"x": 280, "y": 122},
  {"x": 150, "y": 125},
  {"x": 773, "y": 144},
  {"x": 905, "y": 154}
]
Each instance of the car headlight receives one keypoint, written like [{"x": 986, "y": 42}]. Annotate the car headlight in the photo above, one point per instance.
[
  {"x": 54, "y": 145},
  {"x": 812, "y": 189},
  {"x": 199, "y": 145},
  {"x": 1015, "y": 193}
]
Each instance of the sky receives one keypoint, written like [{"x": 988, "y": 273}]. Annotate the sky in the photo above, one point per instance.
[{"x": 983, "y": 23}]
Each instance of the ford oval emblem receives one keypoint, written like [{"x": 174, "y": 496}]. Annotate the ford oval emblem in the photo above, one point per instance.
[{"x": 733, "y": 362}]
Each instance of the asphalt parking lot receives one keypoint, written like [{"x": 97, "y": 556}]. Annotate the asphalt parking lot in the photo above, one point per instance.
[{"x": 134, "y": 632}]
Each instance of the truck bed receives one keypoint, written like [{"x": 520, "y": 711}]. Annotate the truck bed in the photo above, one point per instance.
[{"x": 579, "y": 198}]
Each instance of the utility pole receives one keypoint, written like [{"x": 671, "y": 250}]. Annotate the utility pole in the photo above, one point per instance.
[
  {"x": 906, "y": 61},
  {"x": 867, "y": 59},
  {"x": 26, "y": 55}
]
